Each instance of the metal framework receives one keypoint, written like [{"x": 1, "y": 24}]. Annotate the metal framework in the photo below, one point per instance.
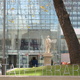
[{"x": 24, "y": 16}]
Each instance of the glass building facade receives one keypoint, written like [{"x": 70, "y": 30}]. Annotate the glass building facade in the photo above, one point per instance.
[
  {"x": 28, "y": 23},
  {"x": 72, "y": 7}
]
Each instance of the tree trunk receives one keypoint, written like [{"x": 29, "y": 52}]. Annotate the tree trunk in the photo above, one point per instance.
[{"x": 68, "y": 31}]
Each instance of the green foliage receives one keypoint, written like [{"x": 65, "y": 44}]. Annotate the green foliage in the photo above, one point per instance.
[{"x": 58, "y": 70}]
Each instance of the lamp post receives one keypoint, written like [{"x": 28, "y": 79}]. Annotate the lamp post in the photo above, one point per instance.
[{"x": 3, "y": 47}]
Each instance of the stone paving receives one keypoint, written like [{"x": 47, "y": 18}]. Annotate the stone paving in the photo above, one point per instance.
[{"x": 4, "y": 77}]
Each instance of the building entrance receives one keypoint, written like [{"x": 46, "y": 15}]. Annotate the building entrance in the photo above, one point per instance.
[{"x": 12, "y": 60}]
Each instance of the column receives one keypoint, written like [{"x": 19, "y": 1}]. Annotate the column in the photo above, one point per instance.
[{"x": 13, "y": 42}]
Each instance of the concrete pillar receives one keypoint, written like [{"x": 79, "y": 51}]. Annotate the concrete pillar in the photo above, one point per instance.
[{"x": 13, "y": 42}]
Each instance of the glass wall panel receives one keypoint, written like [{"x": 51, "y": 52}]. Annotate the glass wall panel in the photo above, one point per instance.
[{"x": 28, "y": 23}]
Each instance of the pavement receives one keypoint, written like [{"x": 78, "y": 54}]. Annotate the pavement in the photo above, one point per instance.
[{"x": 4, "y": 77}]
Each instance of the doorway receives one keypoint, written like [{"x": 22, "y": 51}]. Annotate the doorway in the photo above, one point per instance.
[{"x": 12, "y": 60}]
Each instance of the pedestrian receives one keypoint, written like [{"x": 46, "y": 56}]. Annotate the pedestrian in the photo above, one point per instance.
[{"x": 34, "y": 62}]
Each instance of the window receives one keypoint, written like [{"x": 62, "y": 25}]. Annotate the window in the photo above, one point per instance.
[
  {"x": 30, "y": 44},
  {"x": 24, "y": 44}
]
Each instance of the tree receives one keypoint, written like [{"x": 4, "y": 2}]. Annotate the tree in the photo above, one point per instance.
[{"x": 68, "y": 31}]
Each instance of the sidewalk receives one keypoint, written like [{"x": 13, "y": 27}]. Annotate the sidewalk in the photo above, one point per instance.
[{"x": 39, "y": 77}]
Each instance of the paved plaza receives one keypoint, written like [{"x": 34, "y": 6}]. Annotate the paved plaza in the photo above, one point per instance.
[{"x": 39, "y": 77}]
